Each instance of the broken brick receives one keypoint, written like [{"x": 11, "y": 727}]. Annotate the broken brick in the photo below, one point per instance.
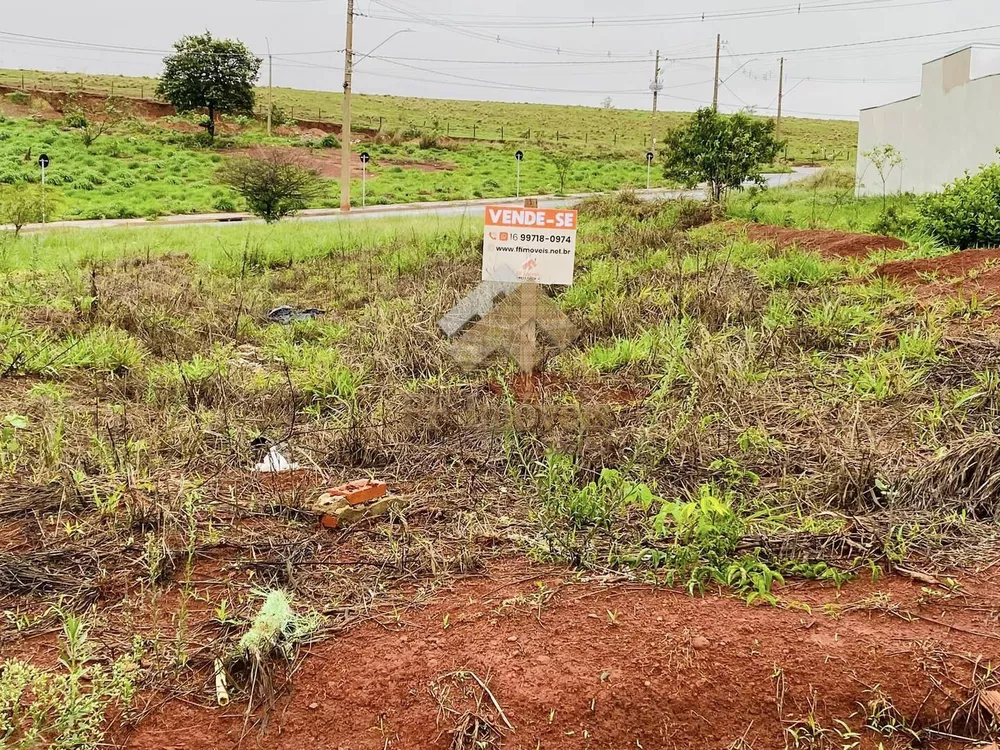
[
  {"x": 359, "y": 491},
  {"x": 351, "y": 502}
]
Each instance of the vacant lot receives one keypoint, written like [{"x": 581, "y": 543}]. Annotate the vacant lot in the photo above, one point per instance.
[{"x": 762, "y": 479}]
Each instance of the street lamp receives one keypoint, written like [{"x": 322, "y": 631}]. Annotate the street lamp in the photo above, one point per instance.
[
  {"x": 380, "y": 44},
  {"x": 345, "y": 129}
]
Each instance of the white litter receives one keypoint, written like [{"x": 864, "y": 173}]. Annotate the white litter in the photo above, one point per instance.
[{"x": 275, "y": 462}]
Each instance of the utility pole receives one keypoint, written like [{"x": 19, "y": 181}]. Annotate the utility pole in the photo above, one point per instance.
[
  {"x": 345, "y": 129},
  {"x": 656, "y": 94},
  {"x": 270, "y": 84},
  {"x": 718, "y": 53},
  {"x": 781, "y": 95}
]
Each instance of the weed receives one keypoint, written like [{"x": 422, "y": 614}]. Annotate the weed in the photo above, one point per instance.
[{"x": 65, "y": 709}]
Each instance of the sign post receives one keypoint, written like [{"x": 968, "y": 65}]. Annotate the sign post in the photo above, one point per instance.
[
  {"x": 519, "y": 157},
  {"x": 365, "y": 158},
  {"x": 649, "y": 167},
  {"x": 43, "y": 162}
]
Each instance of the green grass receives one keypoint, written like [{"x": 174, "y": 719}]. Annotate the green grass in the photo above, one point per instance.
[
  {"x": 253, "y": 247},
  {"x": 145, "y": 170},
  {"x": 623, "y": 129}
]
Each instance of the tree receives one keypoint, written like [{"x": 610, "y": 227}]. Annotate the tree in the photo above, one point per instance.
[
  {"x": 607, "y": 103},
  {"x": 563, "y": 164},
  {"x": 725, "y": 151},
  {"x": 884, "y": 158},
  {"x": 274, "y": 182},
  {"x": 95, "y": 116},
  {"x": 214, "y": 74},
  {"x": 20, "y": 205}
]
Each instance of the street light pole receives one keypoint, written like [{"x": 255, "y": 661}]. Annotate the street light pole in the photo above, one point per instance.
[{"x": 345, "y": 129}]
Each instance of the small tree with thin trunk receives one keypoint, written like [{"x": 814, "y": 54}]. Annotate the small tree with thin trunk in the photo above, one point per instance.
[
  {"x": 885, "y": 158},
  {"x": 724, "y": 151},
  {"x": 20, "y": 205},
  {"x": 563, "y": 164},
  {"x": 96, "y": 116},
  {"x": 274, "y": 182},
  {"x": 214, "y": 74}
]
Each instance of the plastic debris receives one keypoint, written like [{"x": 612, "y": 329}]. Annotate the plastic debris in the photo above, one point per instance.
[
  {"x": 286, "y": 315},
  {"x": 275, "y": 461}
]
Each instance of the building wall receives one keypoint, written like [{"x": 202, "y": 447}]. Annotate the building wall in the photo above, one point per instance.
[{"x": 951, "y": 128}]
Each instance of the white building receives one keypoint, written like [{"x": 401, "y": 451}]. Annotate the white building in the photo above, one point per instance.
[{"x": 951, "y": 127}]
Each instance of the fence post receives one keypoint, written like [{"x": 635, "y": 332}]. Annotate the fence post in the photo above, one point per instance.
[
  {"x": 22, "y": 81},
  {"x": 473, "y": 131},
  {"x": 501, "y": 133},
  {"x": 586, "y": 138},
  {"x": 293, "y": 111},
  {"x": 447, "y": 128},
  {"x": 112, "y": 88},
  {"x": 319, "y": 114},
  {"x": 380, "y": 123},
  {"x": 557, "y": 137},
  {"x": 616, "y": 139}
]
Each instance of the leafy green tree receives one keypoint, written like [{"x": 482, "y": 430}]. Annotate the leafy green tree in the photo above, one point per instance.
[
  {"x": 274, "y": 182},
  {"x": 214, "y": 74},
  {"x": 725, "y": 151}
]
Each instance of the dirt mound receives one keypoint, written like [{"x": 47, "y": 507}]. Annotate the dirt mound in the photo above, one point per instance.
[
  {"x": 575, "y": 665},
  {"x": 826, "y": 242},
  {"x": 974, "y": 269}
]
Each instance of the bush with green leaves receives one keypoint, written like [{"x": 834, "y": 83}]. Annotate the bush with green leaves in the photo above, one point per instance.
[
  {"x": 20, "y": 205},
  {"x": 725, "y": 151},
  {"x": 275, "y": 183},
  {"x": 967, "y": 212}
]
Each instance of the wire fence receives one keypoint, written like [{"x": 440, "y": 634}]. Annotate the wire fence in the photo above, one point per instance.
[{"x": 407, "y": 129}]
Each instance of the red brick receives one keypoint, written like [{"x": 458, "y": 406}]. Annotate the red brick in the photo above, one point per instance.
[{"x": 360, "y": 491}]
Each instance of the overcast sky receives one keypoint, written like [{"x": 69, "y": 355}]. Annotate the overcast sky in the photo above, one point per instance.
[{"x": 556, "y": 51}]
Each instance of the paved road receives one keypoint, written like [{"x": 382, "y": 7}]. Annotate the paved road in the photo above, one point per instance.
[{"x": 448, "y": 208}]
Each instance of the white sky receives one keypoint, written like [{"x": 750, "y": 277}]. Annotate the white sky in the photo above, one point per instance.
[{"x": 453, "y": 41}]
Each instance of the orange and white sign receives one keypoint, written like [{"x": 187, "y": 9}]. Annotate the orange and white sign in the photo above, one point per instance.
[{"x": 537, "y": 244}]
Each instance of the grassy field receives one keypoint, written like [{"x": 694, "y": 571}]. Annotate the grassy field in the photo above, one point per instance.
[
  {"x": 583, "y": 127},
  {"x": 732, "y": 418},
  {"x": 146, "y": 169}
]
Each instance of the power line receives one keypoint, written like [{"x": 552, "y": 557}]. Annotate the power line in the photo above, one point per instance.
[{"x": 505, "y": 22}]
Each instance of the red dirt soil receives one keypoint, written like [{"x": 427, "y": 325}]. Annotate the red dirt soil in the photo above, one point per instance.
[
  {"x": 327, "y": 161},
  {"x": 616, "y": 666},
  {"x": 829, "y": 243},
  {"x": 969, "y": 271}
]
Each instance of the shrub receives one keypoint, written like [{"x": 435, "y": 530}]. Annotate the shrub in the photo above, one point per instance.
[
  {"x": 225, "y": 204},
  {"x": 278, "y": 116},
  {"x": 19, "y": 97},
  {"x": 329, "y": 141},
  {"x": 429, "y": 140},
  {"x": 20, "y": 205},
  {"x": 274, "y": 183},
  {"x": 967, "y": 212},
  {"x": 75, "y": 120}
]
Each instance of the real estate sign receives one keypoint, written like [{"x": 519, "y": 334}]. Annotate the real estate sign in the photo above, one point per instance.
[{"x": 529, "y": 244}]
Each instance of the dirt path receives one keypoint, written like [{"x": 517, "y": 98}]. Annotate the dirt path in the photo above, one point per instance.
[{"x": 583, "y": 665}]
